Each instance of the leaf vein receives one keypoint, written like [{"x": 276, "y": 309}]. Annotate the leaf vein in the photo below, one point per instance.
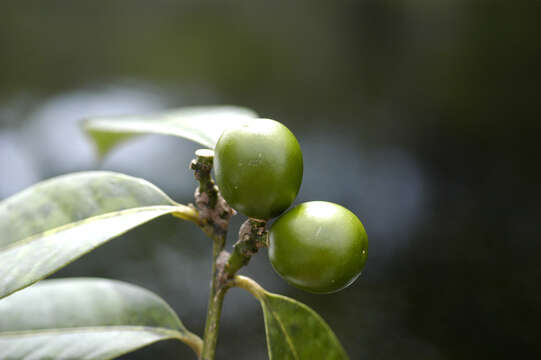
[{"x": 286, "y": 335}]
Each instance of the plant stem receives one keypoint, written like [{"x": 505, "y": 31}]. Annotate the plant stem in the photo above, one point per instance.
[
  {"x": 214, "y": 215},
  {"x": 214, "y": 310}
]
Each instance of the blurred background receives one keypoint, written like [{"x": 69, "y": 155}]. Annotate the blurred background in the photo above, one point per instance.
[{"x": 421, "y": 117}]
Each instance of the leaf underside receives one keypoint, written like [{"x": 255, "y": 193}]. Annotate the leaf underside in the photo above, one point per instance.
[
  {"x": 296, "y": 332},
  {"x": 51, "y": 224},
  {"x": 85, "y": 318},
  {"x": 203, "y": 125}
]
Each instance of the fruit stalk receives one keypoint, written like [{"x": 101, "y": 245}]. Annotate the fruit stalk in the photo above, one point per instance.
[{"x": 252, "y": 237}]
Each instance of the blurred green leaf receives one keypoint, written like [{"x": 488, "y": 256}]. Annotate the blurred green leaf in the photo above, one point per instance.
[
  {"x": 294, "y": 331},
  {"x": 51, "y": 224},
  {"x": 203, "y": 125},
  {"x": 85, "y": 318}
]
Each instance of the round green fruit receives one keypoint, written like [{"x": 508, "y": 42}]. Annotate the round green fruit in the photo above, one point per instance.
[
  {"x": 258, "y": 168},
  {"x": 318, "y": 246}
]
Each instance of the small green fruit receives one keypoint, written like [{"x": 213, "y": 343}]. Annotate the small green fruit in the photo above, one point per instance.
[
  {"x": 318, "y": 246},
  {"x": 258, "y": 168}
]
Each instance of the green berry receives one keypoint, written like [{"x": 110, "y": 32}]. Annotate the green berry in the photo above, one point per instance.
[
  {"x": 318, "y": 246},
  {"x": 258, "y": 168}
]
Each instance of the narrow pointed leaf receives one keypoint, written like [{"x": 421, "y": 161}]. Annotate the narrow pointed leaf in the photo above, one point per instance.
[
  {"x": 85, "y": 318},
  {"x": 51, "y": 224},
  {"x": 294, "y": 331},
  {"x": 203, "y": 125}
]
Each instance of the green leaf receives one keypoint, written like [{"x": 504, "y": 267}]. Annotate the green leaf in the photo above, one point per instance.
[
  {"x": 294, "y": 331},
  {"x": 203, "y": 125},
  {"x": 53, "y": 223},
  {"x": 85, "y": 318}
]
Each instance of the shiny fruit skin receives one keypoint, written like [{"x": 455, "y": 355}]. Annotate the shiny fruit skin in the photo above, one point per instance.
[
  {"x": 318, "y": 246},
  {"x": 258, "y": 168}
]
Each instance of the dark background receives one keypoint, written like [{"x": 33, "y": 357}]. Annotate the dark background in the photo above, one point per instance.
[{"x": 420, "y": 116}]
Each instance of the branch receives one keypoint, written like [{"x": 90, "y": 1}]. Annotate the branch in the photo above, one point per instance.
[
  {"x": 252, "y": 237},
  {"x": 214, "y": 211},
  {"x": 215, "y": 214}
]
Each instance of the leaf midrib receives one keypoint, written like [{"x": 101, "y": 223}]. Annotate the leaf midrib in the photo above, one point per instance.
[
  {"x": 71, "y": 225},
  {"x": 165, "y": 332},
  {"x": 169, "y": 130},
  {"x": 282, "y": 327},
  {"x": 88, "y": 329}
]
